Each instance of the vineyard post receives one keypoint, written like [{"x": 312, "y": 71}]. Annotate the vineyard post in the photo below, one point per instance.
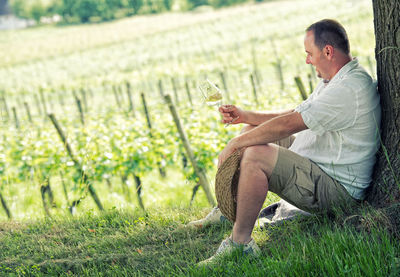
[
  {"x": 129, "y": 94},
  {"x": 3, "y": 99},
  {"x": 46, "y": 189},
  {"x": 223, "y": 79},
  {"x": 146, "y": 111},
  {"x": 139, "y": 190},
  {"x": 310, "y": 82},
  {"x": 194, "y": 190},
  {"x": 15, "y": 117},
  {"x": 5, "y": 207},
  {"x": 300, "y": 86},
  {"x": 188, "y": 92},
  {"x": 175, "y": 89},
  {"x": 28, "y": 111},
  {"x": 73, "y": 205},
  {"x": 254, "y": 89},
  {"x": 79, "y": 105},
  {"x": 199, "y": 172},
  {"x": 92, "y": 191}
]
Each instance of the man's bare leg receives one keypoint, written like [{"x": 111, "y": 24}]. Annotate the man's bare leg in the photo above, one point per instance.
[
  {"x": 256, "y": 166},
  {"x": 215, "y": 216}
]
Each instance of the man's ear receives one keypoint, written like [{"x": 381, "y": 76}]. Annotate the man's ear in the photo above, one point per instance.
[{"x": 328, "y": 51}]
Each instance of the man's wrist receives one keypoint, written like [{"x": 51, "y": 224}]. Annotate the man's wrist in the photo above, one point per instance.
[
  {"x": 246, "y": 117},
  {"x": 234, "y": 144}
]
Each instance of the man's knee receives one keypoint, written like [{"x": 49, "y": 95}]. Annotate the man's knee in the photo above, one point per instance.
[{"x": 263, "y": 157}]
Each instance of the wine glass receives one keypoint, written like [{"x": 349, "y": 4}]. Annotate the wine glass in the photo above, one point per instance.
[{"x": 212, "y": 95}]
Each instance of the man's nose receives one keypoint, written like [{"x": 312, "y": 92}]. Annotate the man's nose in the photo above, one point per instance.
[{"x": 308, "y": 61}]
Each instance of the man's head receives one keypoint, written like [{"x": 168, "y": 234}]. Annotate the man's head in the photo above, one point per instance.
[{"x": 327, "y": 47}]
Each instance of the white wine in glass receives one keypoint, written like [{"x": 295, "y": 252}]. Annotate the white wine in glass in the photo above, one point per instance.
[
  {"x": 213, "y": 96},
  {"x": 211, "y": 93}
]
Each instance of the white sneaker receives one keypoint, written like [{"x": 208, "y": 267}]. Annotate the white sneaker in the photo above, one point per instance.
[
  {"x": 214, "y": 217},
  {"x": 227, "y": 246}
]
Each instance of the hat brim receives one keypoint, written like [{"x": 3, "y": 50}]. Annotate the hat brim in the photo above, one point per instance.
[{"x": 226, "y": 183}]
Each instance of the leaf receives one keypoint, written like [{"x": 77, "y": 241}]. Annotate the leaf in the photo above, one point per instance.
[
  {"x": 92, "y": 230},
  {"x": 139, "y": 251}
]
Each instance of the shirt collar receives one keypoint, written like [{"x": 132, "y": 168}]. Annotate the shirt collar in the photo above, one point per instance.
[{"x": 345, "y": 69}]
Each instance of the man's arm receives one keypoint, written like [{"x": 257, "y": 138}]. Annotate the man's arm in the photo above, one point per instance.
[
  {"x": 279, "y": 127},
  {"x": 231, "y": 112},
  {"x": 274, "y": 129},
  {"x": 257, "y": 118}
]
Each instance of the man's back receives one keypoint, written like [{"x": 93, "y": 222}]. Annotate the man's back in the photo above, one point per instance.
[{"x": 343, "y": 117}]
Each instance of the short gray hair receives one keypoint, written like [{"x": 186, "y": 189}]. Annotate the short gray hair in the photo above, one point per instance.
[{"x": 329, "y": 31}]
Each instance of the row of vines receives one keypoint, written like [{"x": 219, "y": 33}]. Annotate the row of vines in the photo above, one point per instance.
[
  {"x": 84, "y": 150},
  {"x": 84, "y": 118}
]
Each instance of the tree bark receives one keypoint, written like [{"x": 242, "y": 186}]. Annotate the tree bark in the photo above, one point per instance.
[{"x": 386, "y": 178}]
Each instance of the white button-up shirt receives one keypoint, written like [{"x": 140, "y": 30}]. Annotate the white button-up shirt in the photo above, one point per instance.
[{"x": 343, "y": 117}]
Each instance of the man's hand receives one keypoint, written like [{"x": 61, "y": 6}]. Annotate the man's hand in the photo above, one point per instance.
[{"x": 232, "y": 114}]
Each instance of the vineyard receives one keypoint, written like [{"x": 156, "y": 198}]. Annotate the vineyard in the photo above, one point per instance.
[{"x": 85, "y": 119}]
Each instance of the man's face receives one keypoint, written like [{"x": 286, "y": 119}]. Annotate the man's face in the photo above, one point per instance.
[{"x": 315, "y": 56}]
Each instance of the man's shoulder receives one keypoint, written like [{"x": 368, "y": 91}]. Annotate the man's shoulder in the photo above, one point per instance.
[{"x": 357, "y": 79}]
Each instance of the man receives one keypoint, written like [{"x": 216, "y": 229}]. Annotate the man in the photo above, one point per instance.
[{"x": 329, "y": 164}]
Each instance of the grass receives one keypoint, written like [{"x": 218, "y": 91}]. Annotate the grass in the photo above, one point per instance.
[
  {"x": 131, "y": 243},
  {"x": 126, "y": 242}
]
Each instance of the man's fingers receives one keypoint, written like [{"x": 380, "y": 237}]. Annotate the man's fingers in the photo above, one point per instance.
[
  {"x": 228, "y": 113},
  {"x": 227, "y": 108},
  {"x": 227, "y": 119}
]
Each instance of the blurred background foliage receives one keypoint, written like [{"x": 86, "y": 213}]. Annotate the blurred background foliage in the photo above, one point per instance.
[{"x": 82, "y": 11}]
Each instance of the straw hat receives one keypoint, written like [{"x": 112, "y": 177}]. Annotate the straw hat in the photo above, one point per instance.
[{"x": 226, "y": 183}]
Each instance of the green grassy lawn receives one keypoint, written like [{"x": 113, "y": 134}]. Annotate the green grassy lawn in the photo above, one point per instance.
[
  {"x": 130, "y": 243},
  {"x": 124, "y": 241}
]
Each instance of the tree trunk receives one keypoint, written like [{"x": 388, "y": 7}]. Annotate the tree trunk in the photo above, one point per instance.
[{"x": 386, "y": 179}]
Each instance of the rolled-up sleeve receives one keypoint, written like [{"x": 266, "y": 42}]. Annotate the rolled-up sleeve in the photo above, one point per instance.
[{"x": 332, "y": 110}]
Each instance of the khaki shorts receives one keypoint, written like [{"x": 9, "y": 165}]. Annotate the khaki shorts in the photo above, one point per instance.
[{"x": 302, "y": 183}]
